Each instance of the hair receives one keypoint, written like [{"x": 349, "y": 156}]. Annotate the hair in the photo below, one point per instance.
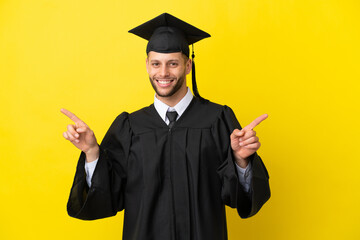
[{"x": 186, "y": 58}]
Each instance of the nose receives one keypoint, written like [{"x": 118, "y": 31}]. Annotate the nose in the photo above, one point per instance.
[{"x": 164, "y": 71}]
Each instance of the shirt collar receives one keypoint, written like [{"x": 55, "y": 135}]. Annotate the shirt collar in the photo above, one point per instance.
[{"x": 180, "y": 107}]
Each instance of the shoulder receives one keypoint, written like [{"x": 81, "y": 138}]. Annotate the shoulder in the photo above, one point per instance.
[
  {"x": 128, "y": 117},
  {"x": 211, "y": 109},
  {"x": 137, "y": 121},
  {"x": 221, "y": 116},
  {"x": 203, "y": 113},
  {"x": 120, "y": 122}
]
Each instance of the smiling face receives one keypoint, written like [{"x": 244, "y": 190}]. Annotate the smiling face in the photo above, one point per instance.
[{"x": 167, "y": 73}]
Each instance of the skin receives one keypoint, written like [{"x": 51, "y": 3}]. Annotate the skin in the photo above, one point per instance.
[
  {"x": 167, "y": 74},
  {"x": 244, "y": 142},
  {"x": 169, "y": 67}
]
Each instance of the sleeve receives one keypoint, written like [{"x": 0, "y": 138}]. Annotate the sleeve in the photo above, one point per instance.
[
  {"x": 232, "y": 193},
  {"x": 245, "y": 175},
  {"x": 105, "y": 197},
  {"x": 89, "y": 170}
]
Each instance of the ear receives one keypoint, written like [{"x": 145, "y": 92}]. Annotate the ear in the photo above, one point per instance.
[{"x": 188, "y": 66}]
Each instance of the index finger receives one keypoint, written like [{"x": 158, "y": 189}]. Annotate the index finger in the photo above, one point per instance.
[
  {"x": 257, "y": 121},
  {"x": 70, "y": 115}
]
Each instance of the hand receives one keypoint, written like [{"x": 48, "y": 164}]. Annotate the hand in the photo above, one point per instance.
[
  {"x": 244, "y": 142},
  {"x": 81, "y": 136}
]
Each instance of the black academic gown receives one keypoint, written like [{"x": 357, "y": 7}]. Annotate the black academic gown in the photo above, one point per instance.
[{"x": 173, "y": 183}]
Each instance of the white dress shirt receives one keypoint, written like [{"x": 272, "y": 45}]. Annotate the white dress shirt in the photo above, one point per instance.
[{"x": 244, "y": 174}]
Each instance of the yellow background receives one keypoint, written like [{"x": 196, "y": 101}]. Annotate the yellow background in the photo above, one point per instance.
[{"x": 297, "y": 60}]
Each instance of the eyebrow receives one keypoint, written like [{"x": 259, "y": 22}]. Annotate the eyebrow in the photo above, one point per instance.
[{"x": 170, "y": 60}]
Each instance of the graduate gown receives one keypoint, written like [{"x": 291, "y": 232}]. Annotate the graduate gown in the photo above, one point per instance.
[{"x": 173, "y": 184}]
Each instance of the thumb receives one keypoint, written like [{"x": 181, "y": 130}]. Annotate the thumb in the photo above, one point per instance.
[
  {"x": 81, "y": 130},
  {"x": 239, "y": 133},
  {"x": 236, "y": 134}
]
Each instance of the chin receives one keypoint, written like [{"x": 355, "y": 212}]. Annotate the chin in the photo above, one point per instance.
[
  {"x": 169, "y": 94},
  {"x": 178, "y": 84},
  {"x": 165, "y": 92}
]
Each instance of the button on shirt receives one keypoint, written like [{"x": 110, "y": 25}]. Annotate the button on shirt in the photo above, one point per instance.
[{"x": 245, "y": 174}]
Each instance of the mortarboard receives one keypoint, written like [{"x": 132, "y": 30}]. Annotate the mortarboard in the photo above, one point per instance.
[{"x": 168, "y": 34}]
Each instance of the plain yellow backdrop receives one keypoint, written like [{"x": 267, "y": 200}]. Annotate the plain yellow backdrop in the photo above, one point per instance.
[{"x": 297, "y": 60}]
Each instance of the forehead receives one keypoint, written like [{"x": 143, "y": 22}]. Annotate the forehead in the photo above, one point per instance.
[{"x": 165, "y": 56}]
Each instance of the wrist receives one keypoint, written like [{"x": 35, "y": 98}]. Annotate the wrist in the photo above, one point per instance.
[
  {"x": 92, "y": 154},
  {"x": 242, "y": 162}
]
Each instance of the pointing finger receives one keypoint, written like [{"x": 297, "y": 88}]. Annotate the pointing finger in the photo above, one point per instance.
[
  {"x": 70, "y": 115},
  {"x": 256, "y": 122}
]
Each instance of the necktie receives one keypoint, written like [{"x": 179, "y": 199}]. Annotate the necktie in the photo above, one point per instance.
[{"x": 172, "y": 118}]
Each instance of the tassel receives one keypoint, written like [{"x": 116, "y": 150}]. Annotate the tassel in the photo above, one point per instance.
[{"x": 194, "y": 85}]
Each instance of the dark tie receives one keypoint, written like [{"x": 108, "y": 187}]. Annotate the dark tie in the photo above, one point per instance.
[{"x": 172, "y": 118}]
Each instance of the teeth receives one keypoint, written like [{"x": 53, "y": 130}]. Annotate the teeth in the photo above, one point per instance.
[{"x": 164, "y": 82}]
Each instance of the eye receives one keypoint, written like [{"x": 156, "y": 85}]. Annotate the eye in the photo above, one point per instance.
[
  {"x": 155, "y": 64},
  {"x": 174, "y": 64}
]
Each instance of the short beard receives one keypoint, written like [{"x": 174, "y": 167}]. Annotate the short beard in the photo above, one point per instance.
[{"x": 176, "y": 88}]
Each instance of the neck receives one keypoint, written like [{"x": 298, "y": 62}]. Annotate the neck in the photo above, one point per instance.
[{"x": 175, "y": 98}]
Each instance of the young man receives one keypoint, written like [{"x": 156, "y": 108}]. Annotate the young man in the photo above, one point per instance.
[{"x": 174, "y": 165}]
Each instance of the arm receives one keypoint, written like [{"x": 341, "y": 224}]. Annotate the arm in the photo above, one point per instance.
[
  {"x": 104, "y": 196},
  {"x": 244, "y": 143},
  {"x": 233, "y": 193}
]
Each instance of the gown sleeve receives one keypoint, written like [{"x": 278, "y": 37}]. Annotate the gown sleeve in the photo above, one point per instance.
[
  {"x": 232, "y": 193},
  {"x": 106, "y": 194}
]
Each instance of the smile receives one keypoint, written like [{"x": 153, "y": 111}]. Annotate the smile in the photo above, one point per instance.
[{"x": 164, "y": 83}]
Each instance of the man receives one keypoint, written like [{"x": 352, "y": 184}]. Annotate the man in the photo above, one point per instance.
[{"x": 173, "y": 166}]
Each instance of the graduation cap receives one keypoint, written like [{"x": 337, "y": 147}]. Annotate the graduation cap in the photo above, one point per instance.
[{"x": 168, "y": 34}]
